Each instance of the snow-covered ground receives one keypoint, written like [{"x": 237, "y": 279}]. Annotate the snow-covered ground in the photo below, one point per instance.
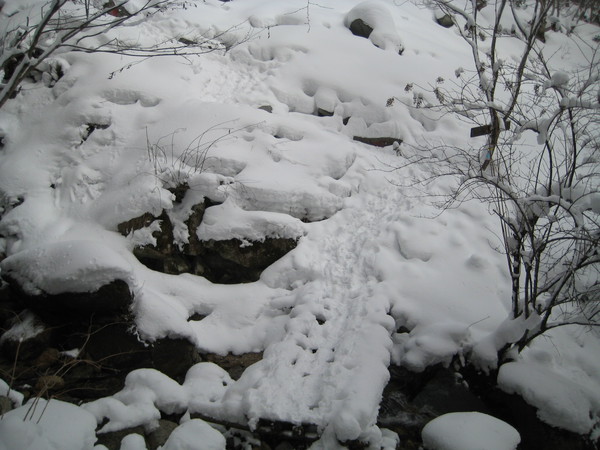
[{"x": 374, "y": 255}]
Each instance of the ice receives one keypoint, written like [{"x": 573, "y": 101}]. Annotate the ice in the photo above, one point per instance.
[
  {"x": 25, "y": 327},
  {"x": 15, "y": 397}
]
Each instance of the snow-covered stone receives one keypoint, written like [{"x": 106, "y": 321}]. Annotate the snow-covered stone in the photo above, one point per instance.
[{"x": 469, "y": 431}]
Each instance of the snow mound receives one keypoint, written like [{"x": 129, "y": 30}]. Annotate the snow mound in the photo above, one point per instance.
[
  {"x": 147, "y": 392},
  {"x": 469, "y": 431},
  {"x": 561, "y": 402},
  {"x": 47, "y": 425},
  {"x": 77, "y": 266},
  {"x": 229, "y": 221}
]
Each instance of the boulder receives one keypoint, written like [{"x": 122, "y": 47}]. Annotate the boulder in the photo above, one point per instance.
[
  {"x": 5, "y": 405},
  {"x": 359, "y": 27},
  {"x": 233, "y": 364},
  {"x": 445, "y": 392},
  {"x": 324, "y": 113},
  {"x": 232, "y": 261},
  {"x": 112, "y": 439},
  {"x": 220, "y": 261},
  {"x": 445, "y": 20},
  {"x": 159, "y": 436}
]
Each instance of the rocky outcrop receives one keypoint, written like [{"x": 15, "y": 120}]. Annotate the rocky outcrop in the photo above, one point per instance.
[
  {"x": 220, "y": 261},
  {"x": 445, "y": 20},
  {"x": 411, "y": 400},
  {"x": 360, "y": 28}
]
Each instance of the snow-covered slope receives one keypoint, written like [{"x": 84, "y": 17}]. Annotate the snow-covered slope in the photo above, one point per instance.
[{"x": 374, "y": 256}]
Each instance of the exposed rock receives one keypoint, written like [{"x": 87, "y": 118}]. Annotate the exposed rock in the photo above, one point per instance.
[
  {"x": 114, "y": 346},
  {"x": 112, "y": 439},
  {"x": 223, "y": 261},
  {"x": 445, "y": 21},
  {"x": 411, "y": 400},
  {"x": 27, "y": 336},
  {"x": 267, "y": 108},
  {"x": 5, "y": 405},
  {"x": 159, "y": 436},
  {"x": 324, "y": 113},
  {"x": 511, "y": 408},
  {"x": 113, "y": 298},
  {"x": 275, "y": 433},
  {"x": 233, "y": 364},
  {"x": 378, "y": 141},
  {"x": 359, "y": 28},
  {"x": 135, "y": 224},
  {"x": 231, "y": 261},
  {"x": 445, "y": 393},
  {"x": 194, "y": 245}
]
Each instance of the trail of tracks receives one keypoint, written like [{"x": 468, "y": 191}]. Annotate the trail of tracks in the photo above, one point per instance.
[{"x": 331, "y": 367}]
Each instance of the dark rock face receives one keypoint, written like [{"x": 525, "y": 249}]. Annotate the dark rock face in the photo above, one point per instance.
[
  {"x": 224, "y": 261},
  {"x": 324, "y": 113},
  {"x": 111, "y": 299},
  {"x": 511, "y": 408},
  {"x": 445, "y": 21},
  {"x": 286, "y": 435},
  {"x": 81, "y": 354},
  {"x": 359, "y": 28},
  {"x": 112, "y": 440},
  {"x": 231, "y": 262},
  {"x": 159, "y": 436},
  {"x": 412, "y": 399}
]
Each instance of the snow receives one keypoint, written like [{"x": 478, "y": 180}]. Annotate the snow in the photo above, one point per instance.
[
  {"x": 15, "y": 397},
  {"x": 469, "y": 431},
  {"x": 147, "y": 392},
  {"x": 561, "y": 402},
  {"x": 80, "y": 266},
  {"x": 47, "y": 425},
  {"x": 377, "y": 277}
]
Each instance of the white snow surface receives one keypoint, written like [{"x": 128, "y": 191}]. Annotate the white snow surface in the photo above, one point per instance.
[
  {"x": 373, "y": 260},
  {"x": 469, "y": 431},
  {"x": 47, "y": 425}
]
